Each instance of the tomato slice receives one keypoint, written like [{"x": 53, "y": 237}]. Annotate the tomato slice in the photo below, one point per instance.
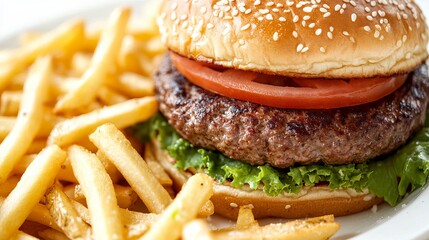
[{"x": 302, "y": 93}]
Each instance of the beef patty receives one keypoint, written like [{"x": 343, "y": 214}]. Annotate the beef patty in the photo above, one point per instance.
[{"x": 283, "y": 137}]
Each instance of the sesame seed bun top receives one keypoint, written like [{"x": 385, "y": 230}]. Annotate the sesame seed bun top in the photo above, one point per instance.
[{"x": 313, "y": 38}]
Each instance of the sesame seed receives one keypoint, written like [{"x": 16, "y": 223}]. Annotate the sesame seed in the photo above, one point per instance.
[
  {"x": 318, "y": 31},
  {"x": 269, "y": 4},
  {"x": 269, "y": 16},
  {"x": 245, "y": 27},
  {"x": 306, "y": 17},
  {"x": 264, "y": 11},
  {"x": 399, "y": 43},
  {"x": 299, "y": 47},
  {"x": 257, "y": 2},
  {"x": 295, "y": 34},
  {"x": 241, "y": 42},
  {"x": 322, "y": 49},
  {"x": 234, "y": 205},
  {"x": 305, "y": 49},
  {"x": 367, "y": 28},
  {"x": 203, "y": 9},
  {"x": 331, "y": 29},
  {"x": 337, "y": 7},
  {"x": 329, "y": 34},
  {"x": 282, "y": 19},
  {"x": 311, "y": 25},
  {"x": 295, "y": 18},
  {"x": 377, "y": 34},
  {"x": 307, "y": 9},
  {"x": 354, "y": 17},
  {"x": 210, "y": 26},
  {"x": 345, "y": 33},
  {"x": 323, "y": 10},
  {"x": 326, "y": 14},
  {"x": 276, "y": 36},
  {"x": 248, "y": 11},
  {"x": 369, "y": 18}
]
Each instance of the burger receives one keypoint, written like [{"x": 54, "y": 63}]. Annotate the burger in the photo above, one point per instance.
[{"x": 299, "y": 108}]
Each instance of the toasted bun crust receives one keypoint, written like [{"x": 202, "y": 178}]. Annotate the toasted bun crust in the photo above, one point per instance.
[
  {"x": 318, "y": 38},
  {"x": 310, "y": 202}
]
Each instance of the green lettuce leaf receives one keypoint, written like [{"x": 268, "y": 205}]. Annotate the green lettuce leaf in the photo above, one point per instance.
[{"x": 391, "y": 178}]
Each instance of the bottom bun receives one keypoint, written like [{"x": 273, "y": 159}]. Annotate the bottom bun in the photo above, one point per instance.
[
  {"x": 313, "y": 202},
  {"x": 310, "y": 202}
]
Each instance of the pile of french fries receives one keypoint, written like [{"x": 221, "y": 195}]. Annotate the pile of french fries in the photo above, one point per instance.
[{"x": 68, "y": 167}]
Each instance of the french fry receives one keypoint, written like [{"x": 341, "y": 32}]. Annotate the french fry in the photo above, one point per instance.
[
  {"x": 111, "y": 169},
  {"x": 29, "y": 37},
  {"x": 100, "y": 195},
  {"x": 110, "y": 97},
  {"x": 133, "y": 85},
  {"x": 8, "y": 186},
  {"x": 6, "y": 125},
  {"x": 146, "y": 27},
  {"x": 51, "y": 234},
  {"x": 194, "y": 194},
  {"x": 33, "y": 184},
  {"x": 59, "y": 38},
  {"x": 65, "y": 173},
  {"x": 39, "y": 214},
  {"x": 80, "y": 63},
  {"x": 206, "y": 210},
  {"x": 62, "y": 85},
  {"x": 122, "y": 115},
  {"x": 36, "y": 146},
  {"x": 29, "y": 119},
  {"x": 64, "y": 214},
  {"x": 128, "y": 161},
  {"x": 197, "y": 229},
  {"x": 23, "y": 236},
  {"x": 313, "y": 228},
  {"x": 17, "y": 82},
  {"x": 128, "y": 57},
  {"x": 125, "y": 196},
  {"x": 135, "y": 223},
  {"x": 103, "y": 60},
  {"x": 154, "y": 46},
  {"x": 179, "y": 177},
  {"x": 49, "y": 121},
  {"x": 157, "y": 169},
  {"x": 245, "y": 217},
  {"x": 10, "y": 102}
]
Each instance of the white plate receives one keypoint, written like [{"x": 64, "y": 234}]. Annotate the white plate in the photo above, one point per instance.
[{"x": 408, "y": 220}]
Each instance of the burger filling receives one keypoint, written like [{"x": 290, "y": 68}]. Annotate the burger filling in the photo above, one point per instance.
[{"x": 283, "y": 150}]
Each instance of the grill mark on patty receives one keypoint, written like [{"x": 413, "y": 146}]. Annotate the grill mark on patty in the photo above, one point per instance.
[{"x": 283, "y": 137}]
